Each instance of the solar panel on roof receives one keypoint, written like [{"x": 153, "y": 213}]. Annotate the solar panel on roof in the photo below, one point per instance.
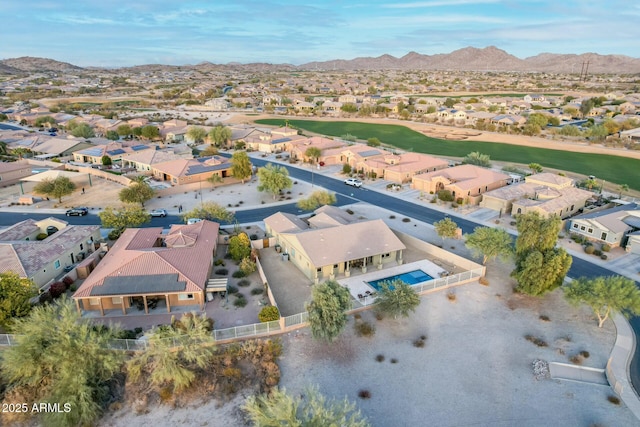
[
  {"x": 139, "y": 147},
  {"x": 369, "y": 153},
  {"x": 92, "y": 151},
  {"x": 116, "y": 151},
  {"x": 280, "y": 140}
]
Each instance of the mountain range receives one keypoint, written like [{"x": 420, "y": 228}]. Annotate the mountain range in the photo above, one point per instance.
[{"x": 467, "y": 59}]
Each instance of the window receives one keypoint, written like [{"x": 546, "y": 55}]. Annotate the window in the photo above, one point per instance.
[
  {"x": 81, "y": 246},
  {"x": 335, "y": 265},
  {"x": 572, "y": 206},
  {"x": 590, "y": 230},
  {"x": 582, "y": 228},
  {"x": 57, "y": 264},
  {"x": 603, "y": 236},
  {"x": 94, "y": 301},
  {"x": 387, "y": 255},
  {"x": 185, "y": 297},
  {"x": 319, "y": 270},
  {"x": 575, "y": 225}
]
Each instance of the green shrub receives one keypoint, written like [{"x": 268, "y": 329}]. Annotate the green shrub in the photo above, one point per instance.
[
  {"x": 365, "y": 329},
  {"x": 597, "y": 252},
  {"x": 218, "y": 262},
  {"x": 606, "y": 248},
  {"x": 114, "y": 234},
  {"x": 239, "y": 273},
  {"x": 42, "y": 236},
  {"x": 268, "y": 314},
  {"x": 244, "y": 283},
  {"x": 240, "y": 302},
  {"x": 589, "y": 249},
  {"x": 257, "y": 291},
  {"x": 232, "y": 289},
  {"x": 603, "y": 256},
  {"x": 222, "y": 271},
  {"x": 445, "y": 196}
]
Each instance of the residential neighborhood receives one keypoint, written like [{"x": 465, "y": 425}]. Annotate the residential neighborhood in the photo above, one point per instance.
[{"x": 278, "y": 212}]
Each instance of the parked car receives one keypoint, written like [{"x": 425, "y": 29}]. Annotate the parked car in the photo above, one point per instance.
[
  {"x": 353, "y": 182},
  {"x": 77, "y": 212},
  {"x": 158, "y": 212},
  {"x": 193, "y": 221}
]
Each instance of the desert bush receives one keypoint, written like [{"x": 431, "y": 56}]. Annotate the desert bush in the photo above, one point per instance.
[
  {"x": 392, "y": 217},
  {"x": 365, "y": 329},
  {"x": 222, "y": 271},
  {"x": 379, "y": 315},
  {"x": 419, "y": 343},
  {"x": 451, "y": 296},
  {"x": 380, "y": 358},
  {"x": 589, "y": 249},
  {"x": 68, "y": 281},
  {"x": 606, "y": 248},
  {"x": 57, "y": 289},
  {"x": 218, "y": 262},
  {"x": 247, "y": 266},
  {"x": 576, "y": 359},
  {"x": 257, "y": 291},
  {"x": 483, "y": 281},
  {"x": 240, "y": 301},
  {"x": 406, "y": 219},
  {"x": 394, "y": 360},
  {"x": 45, "y": 298},
  {"x": 349, "y": 211},
  {"x": 364, "y": 394},
  {"x": 603, "y": 256},
  {"x": 585, "y": 354},
  {"x": 544, "y": 318},
  {"x": 535, "y": 340},
  {"x": 268, "y": 314},
  {"x": 445, "y": 195},
  {"x": 244, "y": 283},
  {"x": 238, "y": 273},
  {"x": 597, "y": 252},
  {"x": 42, "y": 236},
  {"x": 613, "y": 399},
  {"x": 232, "y": 289}
]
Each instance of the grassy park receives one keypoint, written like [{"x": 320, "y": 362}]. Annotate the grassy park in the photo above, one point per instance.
[{"x": 615, "y": 169}]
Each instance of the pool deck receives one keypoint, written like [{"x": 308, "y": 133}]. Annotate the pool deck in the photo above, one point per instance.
[{"x": 358, "y": 285}]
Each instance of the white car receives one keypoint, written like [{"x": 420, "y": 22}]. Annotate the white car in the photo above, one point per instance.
[
  {"x": 353, "y": 182},
  {"x": 193, "y": 221},
  {"x": 158, "y": 212}
]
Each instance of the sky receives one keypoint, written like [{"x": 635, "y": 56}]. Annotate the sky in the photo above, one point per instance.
[{"x": 115, "y": 33}]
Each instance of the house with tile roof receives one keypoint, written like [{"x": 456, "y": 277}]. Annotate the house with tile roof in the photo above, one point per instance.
[
  {"x": 116, "y": 150},
  {"x": 318, "y": 247},
  {"x": 59, "y": 147},
  {"x": 146, "y": 267},
  {"x": 546, "y": 193},
  {"x": 144, "y": 160},
  {"x": 12, "y": 172},
  {"x": 186, "y": 171},
  {"x": 611, "y": 226},
  {"x": 468, "y": 182},
  {"x": 44, "y": 260}
]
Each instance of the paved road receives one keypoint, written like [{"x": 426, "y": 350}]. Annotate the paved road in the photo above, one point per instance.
[{"x": 347, "y": 195}]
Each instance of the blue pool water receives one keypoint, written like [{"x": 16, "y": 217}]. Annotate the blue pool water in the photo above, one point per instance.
[{"x": 412, "y": 278}]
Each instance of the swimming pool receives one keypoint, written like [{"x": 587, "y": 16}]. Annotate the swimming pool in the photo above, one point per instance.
[{"x": 412, "y": 278}]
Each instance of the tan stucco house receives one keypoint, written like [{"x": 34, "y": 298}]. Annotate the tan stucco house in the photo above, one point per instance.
[
  {"x": 43, "y": 260},
  {"x": 146, "y": 267},
  {"x": 331, "y": 244}
]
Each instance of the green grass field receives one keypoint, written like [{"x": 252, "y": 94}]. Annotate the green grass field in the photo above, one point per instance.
[{"x": 615, "y": 169}]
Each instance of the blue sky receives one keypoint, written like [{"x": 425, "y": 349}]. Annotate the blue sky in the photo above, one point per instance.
[{"x": 116, "y": 33}]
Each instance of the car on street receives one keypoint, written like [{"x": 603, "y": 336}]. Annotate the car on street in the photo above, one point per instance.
[
  {"x": 353, "y": 182},
  {"x": 77, "y": 212},
  {"x": 158, "y": 212},
  {"x": 191, "y": 221}
]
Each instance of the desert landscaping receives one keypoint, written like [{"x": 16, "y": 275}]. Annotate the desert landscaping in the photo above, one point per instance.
[{"x": 466, "y": 357}]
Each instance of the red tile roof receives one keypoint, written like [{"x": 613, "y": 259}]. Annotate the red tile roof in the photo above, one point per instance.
[{"x": 137, "y": 253}]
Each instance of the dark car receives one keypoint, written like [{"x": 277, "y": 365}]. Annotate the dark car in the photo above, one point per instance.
[{"x": 77, "y": 212}]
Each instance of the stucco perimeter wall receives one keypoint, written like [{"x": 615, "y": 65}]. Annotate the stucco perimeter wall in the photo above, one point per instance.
[
  {"x": 437, "y": 252},
  {"x": 618, "y": 364},
  {"x": 120, "y": 179}
]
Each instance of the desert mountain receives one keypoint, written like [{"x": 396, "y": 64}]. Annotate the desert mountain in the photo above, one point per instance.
[
  {"x": 30, "y": 64},
  {"x": 468, "y": 59}
]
